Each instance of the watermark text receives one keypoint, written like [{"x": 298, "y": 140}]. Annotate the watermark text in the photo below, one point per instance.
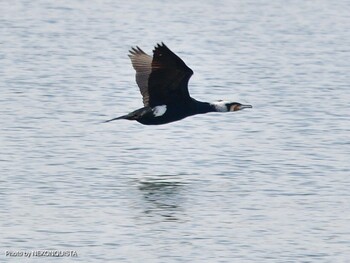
[{"x": 41, "y": 253}]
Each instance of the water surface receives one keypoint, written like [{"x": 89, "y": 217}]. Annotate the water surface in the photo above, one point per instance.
[{"x": 269, "y": 184}]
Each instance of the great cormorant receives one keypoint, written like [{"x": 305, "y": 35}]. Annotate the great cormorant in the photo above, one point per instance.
[{"x": 163, "y": 82}]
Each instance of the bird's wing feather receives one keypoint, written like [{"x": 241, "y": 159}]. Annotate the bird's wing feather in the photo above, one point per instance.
[
  {"x": 168, "y": 81},
  {"x": 142, "y": 63}
]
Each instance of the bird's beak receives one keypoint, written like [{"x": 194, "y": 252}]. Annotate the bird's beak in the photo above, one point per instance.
[{"x": 241, "y": 107}]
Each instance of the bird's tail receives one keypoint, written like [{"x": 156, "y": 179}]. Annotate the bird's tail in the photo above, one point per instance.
[
  {"x": 125, "y": 117},
  {"x": 133, "y": 115}
]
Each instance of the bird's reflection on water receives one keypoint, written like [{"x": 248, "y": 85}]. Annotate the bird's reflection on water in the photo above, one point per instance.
[{"x": 163, "y": 195}]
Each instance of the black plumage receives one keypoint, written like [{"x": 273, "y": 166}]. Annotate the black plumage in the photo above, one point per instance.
[{"x": 163, "y": 83}]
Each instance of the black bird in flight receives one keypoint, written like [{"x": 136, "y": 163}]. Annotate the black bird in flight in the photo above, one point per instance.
[{"x": 163, "y": 82}]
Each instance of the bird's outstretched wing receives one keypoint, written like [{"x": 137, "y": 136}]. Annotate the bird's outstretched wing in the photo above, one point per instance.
[
  {"x": 168, "y": 81},
  {"x": 162, "y": 79},
  {"x": 142, "y": 63}
]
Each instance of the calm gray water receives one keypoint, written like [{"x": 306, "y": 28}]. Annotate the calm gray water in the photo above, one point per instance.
[{"x": 269, "y": 184}]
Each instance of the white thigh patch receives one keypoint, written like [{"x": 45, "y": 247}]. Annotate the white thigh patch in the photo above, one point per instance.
[{"x": 159, "y": 110}]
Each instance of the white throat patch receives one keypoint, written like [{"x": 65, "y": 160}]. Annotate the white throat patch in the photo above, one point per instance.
[
  {"x": 220, "y": 105},
  {"x": 159, "y": 110}
]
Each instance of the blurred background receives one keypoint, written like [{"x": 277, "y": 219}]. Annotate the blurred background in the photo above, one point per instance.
[{"x": 270, "y": 184}]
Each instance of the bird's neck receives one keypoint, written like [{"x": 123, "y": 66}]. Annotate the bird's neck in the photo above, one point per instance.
[{"x": 203, "y": 107}]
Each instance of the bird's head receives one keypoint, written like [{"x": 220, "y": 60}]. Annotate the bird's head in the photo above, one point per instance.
[
  {"x": 235, "y": 106},
  {"x": 225, "y": 106}
]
